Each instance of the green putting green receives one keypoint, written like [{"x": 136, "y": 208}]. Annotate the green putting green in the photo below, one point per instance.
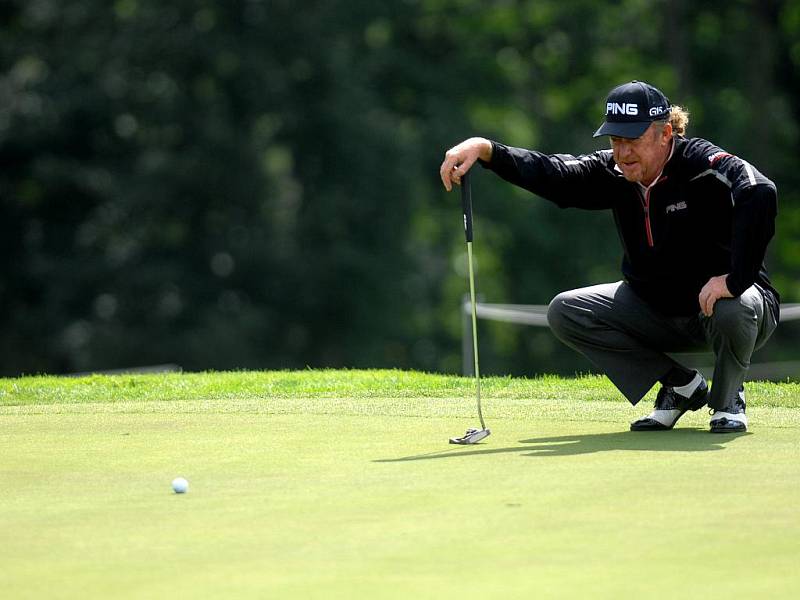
[{"x": 341, "y": 484}]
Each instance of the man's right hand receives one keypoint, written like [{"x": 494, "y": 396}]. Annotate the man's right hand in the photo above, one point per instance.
[{"x": 459, "y": 159}]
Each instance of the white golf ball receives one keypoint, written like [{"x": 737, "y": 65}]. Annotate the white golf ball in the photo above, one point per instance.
[{"x": 180, "y": 485}]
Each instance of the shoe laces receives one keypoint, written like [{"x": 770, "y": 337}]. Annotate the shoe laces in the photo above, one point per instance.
[
  {"x": 665, "y": 399},
  {"x": 738, "y": 405}
]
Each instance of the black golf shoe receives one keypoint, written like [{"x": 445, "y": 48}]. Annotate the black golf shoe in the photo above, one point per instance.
[
  {"x": 670, "y": 406},
  {"x": 732, "y": 418}
]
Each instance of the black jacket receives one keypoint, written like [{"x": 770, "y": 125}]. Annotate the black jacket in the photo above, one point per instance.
[{"x": 710, "y": 213}]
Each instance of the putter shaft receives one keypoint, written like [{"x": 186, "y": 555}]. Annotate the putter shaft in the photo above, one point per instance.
[
  {"x": 473, "y": 436},
  {"x": 475, "y": 333}
]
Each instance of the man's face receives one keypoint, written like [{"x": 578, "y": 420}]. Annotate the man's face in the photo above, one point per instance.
[{"x": 641, "y": 159}]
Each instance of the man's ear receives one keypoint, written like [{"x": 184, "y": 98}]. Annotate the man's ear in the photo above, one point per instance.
[{"x": 666, "y": 133}]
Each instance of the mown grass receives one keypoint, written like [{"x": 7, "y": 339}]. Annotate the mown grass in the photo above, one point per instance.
[{"x": 341, "y": 484}]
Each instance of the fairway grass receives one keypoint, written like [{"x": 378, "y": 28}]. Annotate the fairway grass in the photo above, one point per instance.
[{"x": 340, "y": 484}]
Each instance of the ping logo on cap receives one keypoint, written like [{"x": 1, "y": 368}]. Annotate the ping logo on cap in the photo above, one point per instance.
[{"x": 627, "y": 108}]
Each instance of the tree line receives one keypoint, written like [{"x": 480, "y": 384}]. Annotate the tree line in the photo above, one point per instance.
[{"x": 253, "y": 184}]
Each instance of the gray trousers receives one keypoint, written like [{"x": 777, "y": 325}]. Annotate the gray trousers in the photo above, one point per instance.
[{"x": 628, "y": 340}]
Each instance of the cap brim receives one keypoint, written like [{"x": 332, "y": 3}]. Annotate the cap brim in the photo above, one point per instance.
[{"x": 623, "y": 130}]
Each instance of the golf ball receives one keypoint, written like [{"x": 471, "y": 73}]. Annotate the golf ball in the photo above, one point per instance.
[{"x": 180, "y": 485}]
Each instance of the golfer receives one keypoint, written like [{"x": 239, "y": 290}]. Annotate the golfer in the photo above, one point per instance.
[{"x": 694, "y": 222}]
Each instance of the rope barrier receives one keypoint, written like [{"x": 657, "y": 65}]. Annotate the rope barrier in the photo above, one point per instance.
[{"x": 536, "y": 316}]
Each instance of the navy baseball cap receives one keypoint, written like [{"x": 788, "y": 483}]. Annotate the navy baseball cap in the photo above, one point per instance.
[{"x": 631, "y": 107}]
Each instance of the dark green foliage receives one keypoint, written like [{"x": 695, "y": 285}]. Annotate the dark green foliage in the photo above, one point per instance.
[{"x": 254, "y": 183}]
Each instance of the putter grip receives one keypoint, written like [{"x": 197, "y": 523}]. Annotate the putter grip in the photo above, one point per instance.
[{"x": 466, "y": 204}]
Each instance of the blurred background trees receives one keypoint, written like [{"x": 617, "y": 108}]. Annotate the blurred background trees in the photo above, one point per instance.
[{"x": 254, "y": 183}]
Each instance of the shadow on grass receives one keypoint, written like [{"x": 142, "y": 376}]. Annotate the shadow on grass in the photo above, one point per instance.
[{"x": 677, "y": 440}]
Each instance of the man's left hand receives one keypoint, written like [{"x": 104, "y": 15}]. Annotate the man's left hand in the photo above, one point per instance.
[{"x": 712, "y": 291}]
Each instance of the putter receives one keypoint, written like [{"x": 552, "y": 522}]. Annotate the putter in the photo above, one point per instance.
[{"x": 472, "y": 436}]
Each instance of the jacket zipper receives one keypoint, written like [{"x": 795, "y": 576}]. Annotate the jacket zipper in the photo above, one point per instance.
[
  {"x": 646, "y": 205},
  {"x": 646, "y": 202}
]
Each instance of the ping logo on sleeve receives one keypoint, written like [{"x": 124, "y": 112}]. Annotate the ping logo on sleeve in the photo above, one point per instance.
[{"x": 717, "y": 155}]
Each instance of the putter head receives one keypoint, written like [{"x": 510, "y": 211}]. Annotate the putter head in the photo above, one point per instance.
[{"x": 473, "y": 436}]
